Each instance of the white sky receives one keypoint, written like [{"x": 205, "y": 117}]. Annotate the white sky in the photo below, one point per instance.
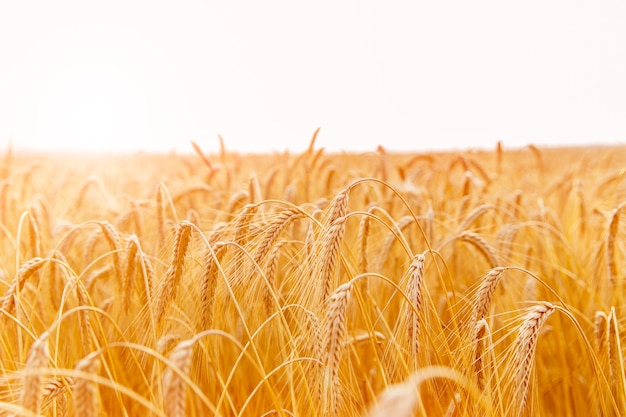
[{"x": 412, "y": 75}]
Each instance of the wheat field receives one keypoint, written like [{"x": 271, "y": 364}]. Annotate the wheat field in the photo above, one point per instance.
[{"x": 375, "y": 284}]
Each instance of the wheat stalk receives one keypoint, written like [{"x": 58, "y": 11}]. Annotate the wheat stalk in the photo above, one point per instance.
[
  {"x": 242, "y": 223},
  {"x": 482, "y": 337},
  {"x": 34, "y": 235},
  {"x": 270, "y": 275},
  {"x": 525, "y": 347},
  {"x": 505, "y": 237},
  {"x": 54, "y": 390},
  {"x": 363, "y": 235},
  {"x": 132, "y": 248},
  {"x": 616, "y": 368},
  {"x": 83, "y": 315},
  {"x": 171, "y": 281},
  {"x": 27, "y": 269},
  {"x": 85, "y": 389},
  {"x": 582, "y": 208},
  {"x": 237, "y": 200},
  {"x": 329, "y": 251},
  {"x": 610, "y": 245},
  {"x": 160, "y": 213},
  {"x": 475, "y": 214},
  {"x": 273, "y": 231},
  {"x": 484, "y": 295},
  {"x": 333, "y": 339},
  {"x": 148, "y": 278},
  {"x": 111, "y": 236},
  {"x": 601, "y": 331},
  {"x": 173, "y": 385},
  {"x": 209, "y": 284},
  {"x": 414, "y": 294},
  {"x": 32, "y": 389},
  {"x": 399, "y": 227},
  {"x": 483, "y": 247}
]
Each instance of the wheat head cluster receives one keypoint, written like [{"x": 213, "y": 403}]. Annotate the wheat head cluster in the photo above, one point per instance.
[{"x": 313, "y": 284}]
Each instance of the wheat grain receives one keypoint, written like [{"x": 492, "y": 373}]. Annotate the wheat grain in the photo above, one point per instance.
[
  {"x": 309, "y": 242},
  {"x": 54, "y": 390},
  {"x": 254, "y": 189},
  {"x": 270, "y": 275},
  {"x": 484, "y": 295},
  {"x": 173, "y": 385},
  {"x": 483, "y": 247},
  {"x": 481, "y": 337},
  {"x": 505, "y": 237},
  {"x": 525, "y": 347},
  {"x": 27, "y": 269},
  {"x": 32, "y": 389},
  {"x": 112, "y": 237},
  {"x": 85, "y": 321},
  {"x": 34, "y": 235},
  {"x": 610, "y": 245},
  {"x": 399, "y": 227},
  {"x": 616, "y": 369},
  {"x": 329, "y": 253},
  {"x": 148, "y": 271},
  {"x": 273, "y": 231},
  {"x": 128, "y": 282},
  {"x": 364, "y": 231},
  {"x": 209, "y": 284},
  {"x": 242, "y": 223},
  {"x": 333, "y": 337},
  {"x": 474, "y": 215},
  {"x": 413, "y": 311},
  {"x": 582, "y": 208},
  {"x": 326, "y": 258},
  {"x": 167, "y": 343},
  {"x": 160, "y": 213},
  {"x": 601, "y": 331},
  {"x": 171, "y": 281},
  {"x": 85, "y": 389},
  {"x": 237, "y": 200}
]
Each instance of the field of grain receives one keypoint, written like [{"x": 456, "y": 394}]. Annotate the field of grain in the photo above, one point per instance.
[{"x": 374, "y": 284}]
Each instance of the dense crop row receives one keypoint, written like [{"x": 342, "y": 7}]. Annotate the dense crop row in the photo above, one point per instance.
[{"x": 458, "y": 284}]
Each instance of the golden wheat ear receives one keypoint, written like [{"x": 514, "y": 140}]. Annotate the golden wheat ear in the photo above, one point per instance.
[
  {"x": 85, "y": 392},
  {"x": 333, "y": 340},
  {"x": 525, "y": 347},
  {"x": 173, "y": 385}
]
